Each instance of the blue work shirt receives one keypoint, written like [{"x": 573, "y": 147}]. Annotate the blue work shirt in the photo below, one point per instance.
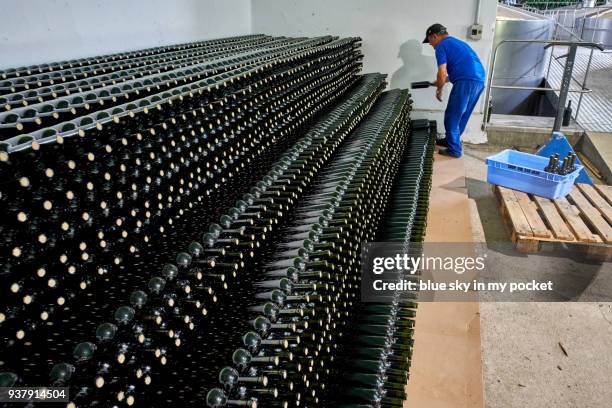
[{"x": 462, "y": 63}]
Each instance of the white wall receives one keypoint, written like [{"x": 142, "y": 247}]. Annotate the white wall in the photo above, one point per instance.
[
  {"x": 38, "y": 31},
  {"x": 392, "y": 32}
]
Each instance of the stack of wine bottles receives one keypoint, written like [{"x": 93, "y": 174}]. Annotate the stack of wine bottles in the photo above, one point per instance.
[
  {"x": 307, "y": 286},
  {"x": 375, "y": 360},
  {"x": 183, "y": 224}
]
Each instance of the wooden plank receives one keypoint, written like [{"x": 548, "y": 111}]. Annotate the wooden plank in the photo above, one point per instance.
[
  {"x": 538, "y": 227},
  {"x": 572, "y": 216},
  {"x": 520, "y": 224},
  {"x": 557, "y": 225},
  {"x": 594, "y": 197},
  {"x": 601, "y": 253},
  {"x": 527, "y": 246},
  {"x": 605, "y": 191},
  {"x": 597, "y": 200},
  {"x": 592, "y": 215},
  {"x": 553, "y": 239}
]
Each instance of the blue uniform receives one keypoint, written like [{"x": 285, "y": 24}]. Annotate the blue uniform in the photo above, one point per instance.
[{"x": 466, "y": 73}]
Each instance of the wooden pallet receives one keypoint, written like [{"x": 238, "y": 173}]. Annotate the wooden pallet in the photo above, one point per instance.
[{"x": 584, "y": 218}]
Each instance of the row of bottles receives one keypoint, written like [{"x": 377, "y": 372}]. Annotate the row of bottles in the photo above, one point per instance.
[
  {"x": 37, "y": 88},
  {"x": 65, "y": 67},
  {"x": 64, "y": 116},
  {"x": 376, "y": 373}
]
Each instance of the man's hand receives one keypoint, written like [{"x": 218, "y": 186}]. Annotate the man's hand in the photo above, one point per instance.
[{"x": 441, "y": 79}]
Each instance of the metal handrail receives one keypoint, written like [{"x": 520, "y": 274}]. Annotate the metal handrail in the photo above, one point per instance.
[
  {"x": 557, "y": 5},
  {"x": 550, "y": 59},
  {"x": 550, "y": 14},
  {"x": 490, "y": 85},
  {"x": 535, "y": 88},
  {"x": 555, "y": 15},
  {"x": 570, "y": 32},
  {"x": 586, "y": 11}
]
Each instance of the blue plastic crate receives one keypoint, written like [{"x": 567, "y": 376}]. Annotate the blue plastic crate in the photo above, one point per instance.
[{"x": 525, "y": 172}]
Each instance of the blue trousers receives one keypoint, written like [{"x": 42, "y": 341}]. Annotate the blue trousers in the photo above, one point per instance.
[{"x": 463, "y": 99}]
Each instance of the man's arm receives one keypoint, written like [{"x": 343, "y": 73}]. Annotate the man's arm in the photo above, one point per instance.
[{"x": 441, "y": 79}]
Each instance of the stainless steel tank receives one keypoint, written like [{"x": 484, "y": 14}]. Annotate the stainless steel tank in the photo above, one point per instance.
[
  {"x": 596, "y": 29},
  {"x": 519, "y": 64}
]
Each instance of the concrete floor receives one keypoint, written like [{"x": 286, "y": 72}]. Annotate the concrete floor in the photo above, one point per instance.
[
  {"x": 446, "y": 368},
  {"x": 523, "y": 363}
]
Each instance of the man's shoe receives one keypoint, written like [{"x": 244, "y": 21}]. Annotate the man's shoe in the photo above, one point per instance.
[
  {"x": 446, "y": 152},
  {"x": 442, "y": 142}
]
